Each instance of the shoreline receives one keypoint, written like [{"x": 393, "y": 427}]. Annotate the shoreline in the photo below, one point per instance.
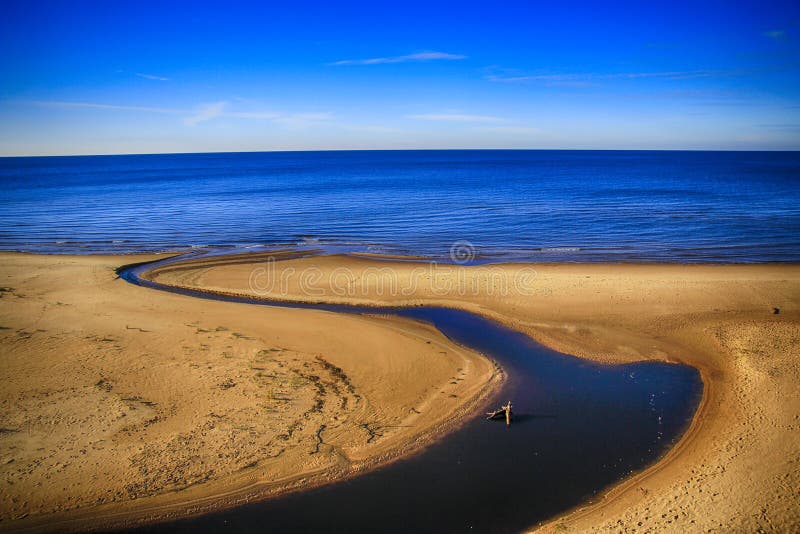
[
  {"x": 624, "y": 495},
  {"x": 321, "y": 250}
]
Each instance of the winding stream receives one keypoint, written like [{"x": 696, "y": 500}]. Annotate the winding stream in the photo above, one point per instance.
[{"x": 579, "y": 427}]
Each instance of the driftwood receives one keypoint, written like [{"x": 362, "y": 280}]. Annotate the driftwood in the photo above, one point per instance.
[{"x": 503, "y": 412}]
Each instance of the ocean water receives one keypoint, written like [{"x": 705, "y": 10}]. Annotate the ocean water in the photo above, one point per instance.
[{"x": 494, "y": 205}]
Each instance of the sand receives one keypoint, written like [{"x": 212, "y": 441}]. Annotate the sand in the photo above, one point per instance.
[
  {"x": 737, "y": 469},
  {"x": 122, "y": 404}
]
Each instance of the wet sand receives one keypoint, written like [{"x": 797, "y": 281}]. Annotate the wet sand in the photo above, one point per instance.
[
  {"x": 736, "y": 468},
  {"x": 122, "y": 404}
]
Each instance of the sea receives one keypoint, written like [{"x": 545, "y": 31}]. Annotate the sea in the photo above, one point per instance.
[{"x": 462, "y": 205}]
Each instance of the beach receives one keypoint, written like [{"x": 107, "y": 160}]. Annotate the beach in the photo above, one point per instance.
[
  {"x": 736, "y": 467},
  {"x": 123, "y": 404}
]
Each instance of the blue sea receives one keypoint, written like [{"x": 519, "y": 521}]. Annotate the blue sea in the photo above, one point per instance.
[{"x": 581, "y": 206}]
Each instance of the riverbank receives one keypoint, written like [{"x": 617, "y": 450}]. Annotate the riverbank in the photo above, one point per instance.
[
  {"x": 121, "y": 404},
  {"x": 736, "y": 469}
]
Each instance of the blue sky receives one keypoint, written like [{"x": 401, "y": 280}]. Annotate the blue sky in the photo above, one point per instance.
[{"x": 142, "y": 77}]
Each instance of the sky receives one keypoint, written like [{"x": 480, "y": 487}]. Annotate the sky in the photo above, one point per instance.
[{"x": 117, "y": 77}]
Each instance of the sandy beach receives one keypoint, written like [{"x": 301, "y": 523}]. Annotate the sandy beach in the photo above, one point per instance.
[
  {"x": 736, "y": 468},
  {"x": 123, "y": 404}
]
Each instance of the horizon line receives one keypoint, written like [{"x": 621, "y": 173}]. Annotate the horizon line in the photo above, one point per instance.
[{"x": 400, "y": 150}]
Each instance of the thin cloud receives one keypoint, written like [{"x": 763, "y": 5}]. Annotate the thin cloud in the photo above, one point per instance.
[
  {"x": 92, "y": 105},
  {"x": 781, "y": 127},
  {"x": 151, "y": 77},
  {"x": 262, "y": 115},
  {"x": 595, "y": 77},
  {"x": 419, "y": 56},
  {"x": 203, "y": 113},
  {"x": 293, "y": 119},
  {"x": 368, "y": 128},
  {"x": 516, "y": 130},
  {"x": 588, "y": 77},
  {"x": 457, "y": 117},
  {"x": 313, "y": 116},
  {"x": 206, "y": 113},
  {"x": 303, "y": 120}
]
